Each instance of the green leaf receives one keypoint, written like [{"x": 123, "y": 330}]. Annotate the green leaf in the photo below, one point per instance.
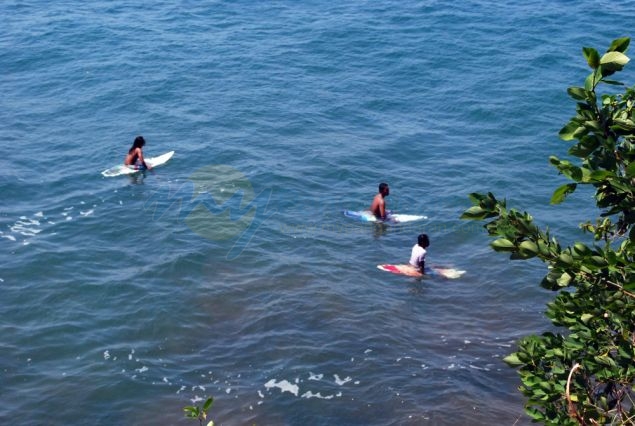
[
  {"x": 591, "y": 81},
  {"x": 600, "y": 175},
  {"x": 630, "y": 170},
  {"x": 512, "y": 360},
  {"x": 560, "y": 194},
  {"x": 599, "y": 261},
  {"x": 536, "y": 415},
  {"x": 564, "y": 280},
  {"x": 503, "y": 244},
  {"x": 529, "y": 247},
  {"x": 191, "y": 412},
  {"x": 543, "y": 247},
  {"x": 477, "y": 213},
  {"x": 586, "y": 317},
  {"x": 567, "y": 132},
  {"x": 619, "y": 45},
  {"x": 592, "y": 57},
  {"x": 577, "y": 93},
  {"x": 565, "y": 258},
  {"x": 581, "y": 248},
  {"x": 208, "y": 404},
  {"x": 593, "y": 125},
  {"x": 614, "y": 61},
  {"x": 613, "y": 82},
  {"x": 476, "y": 198},
  {"x": 625, "y": 125}
]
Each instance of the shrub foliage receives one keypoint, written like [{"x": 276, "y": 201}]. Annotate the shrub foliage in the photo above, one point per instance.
[{"x": 584, "y": 375}]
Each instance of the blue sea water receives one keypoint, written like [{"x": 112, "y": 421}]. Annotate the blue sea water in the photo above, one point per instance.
[{"x": 230, "y": 271}]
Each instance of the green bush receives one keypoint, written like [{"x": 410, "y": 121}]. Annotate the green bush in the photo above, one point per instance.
[{"x": 586, "y": 374}]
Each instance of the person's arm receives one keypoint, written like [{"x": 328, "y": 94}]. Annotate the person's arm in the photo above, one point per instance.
[
  {"x": 422, "y": 265},
  {"x": 382, "y": 209},
  {"x": 141, "y": 159}
]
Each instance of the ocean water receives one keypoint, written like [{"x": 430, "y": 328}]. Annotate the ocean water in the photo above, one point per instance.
[{"x": 230, "y": 271}]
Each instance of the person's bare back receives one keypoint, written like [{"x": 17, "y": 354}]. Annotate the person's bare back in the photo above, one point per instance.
[{"x": 378, "y": 206}]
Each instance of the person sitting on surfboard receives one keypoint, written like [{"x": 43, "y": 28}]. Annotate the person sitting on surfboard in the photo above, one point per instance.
[
  {"x": 135, "y": 155},
  {"x": 378, "y": 206},
  {"x": 418, "y": 255}
]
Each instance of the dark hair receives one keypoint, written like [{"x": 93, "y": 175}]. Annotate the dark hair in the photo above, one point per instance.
[
  {"x": 382, "y": 186},
  {"x": 423, "y": 240},
  {"x": 139, "y": 142}
]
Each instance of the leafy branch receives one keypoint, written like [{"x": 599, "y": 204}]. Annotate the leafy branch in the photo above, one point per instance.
[
  {"x": 199, "y": 413},
  {"x": 586, "y": 374}
]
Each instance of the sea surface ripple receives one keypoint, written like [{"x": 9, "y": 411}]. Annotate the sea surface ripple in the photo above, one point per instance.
[{"x": 126, "y": 299}]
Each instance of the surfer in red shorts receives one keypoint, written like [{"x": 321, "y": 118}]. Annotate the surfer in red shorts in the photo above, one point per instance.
[
  {"x": 378, "y": 206},
  {"x": 135, "y": 155}
]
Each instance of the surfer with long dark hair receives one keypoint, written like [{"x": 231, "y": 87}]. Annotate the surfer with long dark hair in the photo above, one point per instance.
[{"x": 135, "y": 155}]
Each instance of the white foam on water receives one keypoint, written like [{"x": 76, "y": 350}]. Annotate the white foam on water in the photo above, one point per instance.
[
  {"x": 228, "y": 390},
  {"x": 39, "y": 214},
  {"x": 315, "y": 376},
  {"x": 260, "y": 394},
  {"x": 367, "y": 351},
  {"x": 142, "y": 369},
  {"x": 9, "y": 237},
  {"x": 283, "y": 385},
  {"x": 27, "y": 227},
  {"x": 309, "y": 394},
  {"x": 341, "y": 382},
  {"x": 87, "y": 212},
  {"x": 106, "y": 355}
]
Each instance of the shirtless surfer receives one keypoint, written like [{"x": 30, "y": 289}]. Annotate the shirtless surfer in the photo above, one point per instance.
[{"x": 378, "y": 207}]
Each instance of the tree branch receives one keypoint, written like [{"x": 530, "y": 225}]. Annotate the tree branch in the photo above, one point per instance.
[{"x": 573, "y": 413}]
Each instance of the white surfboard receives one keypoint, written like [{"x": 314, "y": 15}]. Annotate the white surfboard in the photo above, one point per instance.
[
  {"x": 367, "y": 216},
  {"x": 129, "y": 170}
]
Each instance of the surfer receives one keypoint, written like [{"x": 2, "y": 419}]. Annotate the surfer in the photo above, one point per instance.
[
  {"x": 135, "y": 155},
  {"x": 378, "y": 206},
  {"x": 418, "y": 255}
]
